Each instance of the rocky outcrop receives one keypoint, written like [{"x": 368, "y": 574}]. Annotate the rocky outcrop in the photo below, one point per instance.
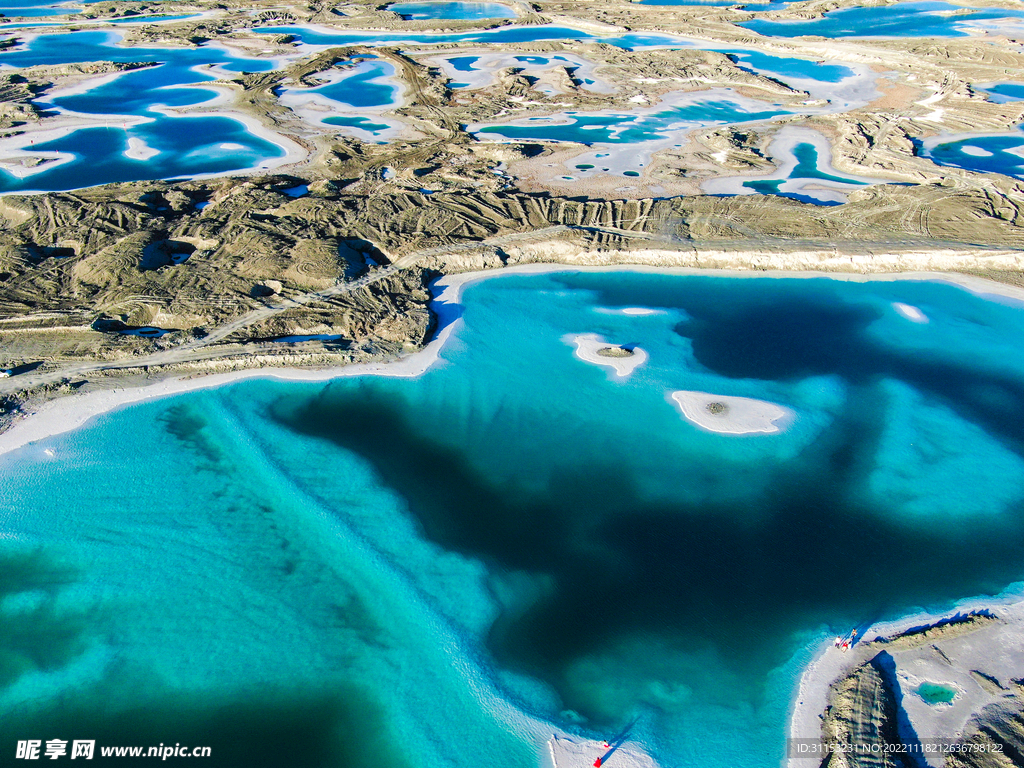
[
  {"x": 994, "y": 738},
  {"x": 186, "y": 256},
  {"x": 861, "y": 715}
]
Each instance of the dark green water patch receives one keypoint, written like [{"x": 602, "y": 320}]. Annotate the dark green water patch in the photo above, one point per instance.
[
  {"x": 37, "y": 634},
  {"x": 258, "y": 728},
  {"x": 737, "y": 580}
]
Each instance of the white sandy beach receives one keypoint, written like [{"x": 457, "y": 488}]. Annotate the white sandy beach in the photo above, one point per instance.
[{"x": 566, "y": 752}]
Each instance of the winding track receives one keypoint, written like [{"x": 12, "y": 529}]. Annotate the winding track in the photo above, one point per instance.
[{"x": 204, "y": 349}]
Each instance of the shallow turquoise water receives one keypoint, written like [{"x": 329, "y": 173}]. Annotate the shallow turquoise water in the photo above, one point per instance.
[
  {"x": 806, "y": 168},
  {"x": 934, "y": 693},
  {"x": 454, "y": 9},
  {"x": 209, "y": 145},
  {"x": 626, "y": 127},
  {"x": 354, "y": 571},
  {"x": 909, "y": 19}
]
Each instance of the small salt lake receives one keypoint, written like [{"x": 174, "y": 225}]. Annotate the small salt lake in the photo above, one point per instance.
[
  {"x": 452, "y": 10},
  {"x": 928, "y": 18},
  {"x": 996, "y": 153},
  {"x": 124, "y": 126}
]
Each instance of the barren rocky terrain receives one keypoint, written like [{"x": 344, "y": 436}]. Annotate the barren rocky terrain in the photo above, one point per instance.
[{"x": 143, "y": 277}]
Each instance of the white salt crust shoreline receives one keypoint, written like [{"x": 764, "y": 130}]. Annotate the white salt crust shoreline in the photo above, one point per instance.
[
  {"x": 737, "y": 415},
  {"x": 67, "y": 122},
  {"x": 68, "y": 413},
  {"x": 588, "y": 346},
  {"x": 830, "y": 663}
]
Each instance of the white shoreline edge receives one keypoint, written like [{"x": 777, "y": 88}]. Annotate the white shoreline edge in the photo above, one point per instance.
[
  {"x": 810, "y": 696},
  {"x": 68, "y": 413},
  {"x": 587, "y": 346},
  {"x": 742, "y": 416}
]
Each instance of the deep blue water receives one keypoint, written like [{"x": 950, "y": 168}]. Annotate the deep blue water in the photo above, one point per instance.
[
  {"x": 789, "y": 67},
  {"x": 453, "y": 9},
  {"x": 102, "y": 46},
  {"x": 909, "y": 19},
  {"x": 38, "y": 8},
  {"x": 463, "y": 63},
  {"x": 99, "y": 151},
  {"x": 187, "y": 146},
  {"x": 350, "y": 573},
  {"x": 153, "y": 18},
  {"x": 1002, "y": 93},
  {"x": 515, "y": 34},
  {"x": 982, "y": 154},
  {"x": 368, "y": 85}
]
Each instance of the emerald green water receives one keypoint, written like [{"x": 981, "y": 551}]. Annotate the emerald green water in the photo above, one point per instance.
[{"x": 933, "y": 693}]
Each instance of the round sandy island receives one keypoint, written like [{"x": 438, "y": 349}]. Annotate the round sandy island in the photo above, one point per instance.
[
  {"x": 139, "y": 150},
  {"x": 913, "y": 314},
  {"x": 623, "y": 360},
  {"x": 732, "y": 415}
]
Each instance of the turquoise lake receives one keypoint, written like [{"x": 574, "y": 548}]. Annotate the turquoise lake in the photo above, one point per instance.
[
  {"x": 786, "y": 67},
  {"x": 366, "y": 84},
  {"x": 38, "y": 8},
  {"x": 509, "y": 34},
  {"x": 629, "y": 127},
  {"x": 425, "y": 571},
  {"x": 806, "y": 156},
  {"x": 929, "y": 18}
]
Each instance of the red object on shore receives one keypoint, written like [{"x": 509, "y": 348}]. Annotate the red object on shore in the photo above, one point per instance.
[{"x": 597, "y": 763}]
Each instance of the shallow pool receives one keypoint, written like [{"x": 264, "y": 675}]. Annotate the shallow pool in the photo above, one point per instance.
[{"x": 935, "y": 693}]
